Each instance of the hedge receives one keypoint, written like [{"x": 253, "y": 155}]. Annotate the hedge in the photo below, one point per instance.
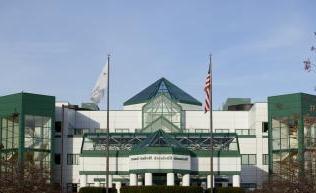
[
  {"x": 227, "y": 190},
  {"x": 96, "y": 190},
  {"x": 161, "y": 189}
]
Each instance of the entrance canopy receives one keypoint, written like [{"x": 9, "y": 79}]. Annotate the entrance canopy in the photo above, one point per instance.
[{"x": 196, "y": 143}]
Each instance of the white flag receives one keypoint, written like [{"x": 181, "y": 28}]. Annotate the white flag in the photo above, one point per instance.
[{"x": 99, "y": 88}]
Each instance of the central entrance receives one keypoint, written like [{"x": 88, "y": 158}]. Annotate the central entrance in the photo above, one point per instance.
[{"x": 160, "y": 179}]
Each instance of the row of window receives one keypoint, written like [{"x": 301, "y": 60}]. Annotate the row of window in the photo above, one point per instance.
[
  {"x": 238, "y": 131},
  {"x": 72, "y": 159},
  {"x": 246, "y": 159},
  {"x": 251, "y": 159},
  {"x": 81, "y": 131},
  {"x": 265, "y": 128}
]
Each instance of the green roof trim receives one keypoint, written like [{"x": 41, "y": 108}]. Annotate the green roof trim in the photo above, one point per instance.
[
  {"x": 199, "y": 153},
  {"x": 161, "y": 150},
  {"x": 157, "y": 171},
  {"x": 202, "y": 173},
  {"x": 224, "y": 173},
  {"x": 103, "y": 172},
  {"x": 162, "y": 86}
]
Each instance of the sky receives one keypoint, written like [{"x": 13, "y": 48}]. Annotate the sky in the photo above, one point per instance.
[{"x": 59, "y": 47}]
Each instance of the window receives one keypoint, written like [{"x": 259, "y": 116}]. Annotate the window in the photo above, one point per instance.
[
  {"x": 252, "y": 132},
  {"x": 101, "y": 130},
  {"x": 221, "y": 130},
  {"x": 58, "y": 126},
  {"x": 248, "y": 159},
  {"x": 57, "y": 159},
  {"x": 201, "y": 130},
  {"x": 265, "y": 159},
  {"x": 121, "y": 130},
  {"x": 248, "y": 186},
  {"x": 71, "y": 187},
  {"x": 37, "y": 132},
  {"x": 72, "y": 159},
  {"x": 242, "y": 131},
  {"x": 80, "y": 131},
  {"x": 265, "y": 127},
  {"x": 245, "y": 131},
  {"x": 162, "y": 107},
  {"x": 9, "y": 132}
]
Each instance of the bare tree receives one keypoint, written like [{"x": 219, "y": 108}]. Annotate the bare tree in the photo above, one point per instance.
[
  {"x": 281, "y": 185},
  {"x": 309, "y": 64},
  {"x": 26, "y": 178}
]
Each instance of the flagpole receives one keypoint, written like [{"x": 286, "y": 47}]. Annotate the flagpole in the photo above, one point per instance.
[
  {"x": 211, "y": 122},
  {"x": 107, "y": 126}
]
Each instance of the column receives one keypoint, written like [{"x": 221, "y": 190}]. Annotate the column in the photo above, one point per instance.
[
  {"x": 132, "y": 179},
  {"x": 83, "y": 181},
  {"x": 186, "y": 180},
  {"x": 209, "y": 181},
  {"x": 236, "y": 180},
  {"x": 118, "y": 186},
  {"x": 148, "y": 179},
  {"x": 110, "y": 181},
  {"x": 170, "y": 179}
]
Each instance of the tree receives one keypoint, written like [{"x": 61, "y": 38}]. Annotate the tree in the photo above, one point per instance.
[
  {"x": 281, "y": 185},
  {"x": 309, "y": 65},
  {"x": 24, "y": 178}
]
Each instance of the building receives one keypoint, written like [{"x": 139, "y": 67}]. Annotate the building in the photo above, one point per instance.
[
  {"x": 292, "y": 134},
  {"x": 161, "y": 136}
]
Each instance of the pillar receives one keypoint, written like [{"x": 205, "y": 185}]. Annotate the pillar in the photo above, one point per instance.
[
  {"x": 132, "y": 179},
  {"x": 170, "y": 179},
  {"x": 236, "y": 180},
  {"x": 110, "y": 181},
  {"x": 83, "y": 181},
  {"x": 186, "y": 180},
  {"x": 148, "y": 179},
  {"x": 209, "y": 181},
  {"x": 118, "y": 186}
]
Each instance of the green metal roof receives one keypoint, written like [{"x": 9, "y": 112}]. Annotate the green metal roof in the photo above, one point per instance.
[{"x": 162, "y": 86}]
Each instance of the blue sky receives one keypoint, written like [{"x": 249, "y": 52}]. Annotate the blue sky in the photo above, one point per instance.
[{"x": 59, "y": 47}]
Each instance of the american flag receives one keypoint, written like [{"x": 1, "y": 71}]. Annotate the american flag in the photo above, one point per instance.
[{"x": 207, "y": 90}]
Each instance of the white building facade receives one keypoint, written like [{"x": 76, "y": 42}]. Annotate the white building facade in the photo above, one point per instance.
[{"x": 161, "y": 137}]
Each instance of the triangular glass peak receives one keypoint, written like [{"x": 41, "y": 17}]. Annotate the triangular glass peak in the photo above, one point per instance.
[
  {"x": 163, "y": 88},
  {"x": 162, "y": 106}
]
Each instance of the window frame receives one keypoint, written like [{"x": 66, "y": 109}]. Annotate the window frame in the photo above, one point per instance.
[
  {"x": 248, "y": 157},
  {"x": 73, "y": 159},
  {"x": 265, "y": 159}
]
